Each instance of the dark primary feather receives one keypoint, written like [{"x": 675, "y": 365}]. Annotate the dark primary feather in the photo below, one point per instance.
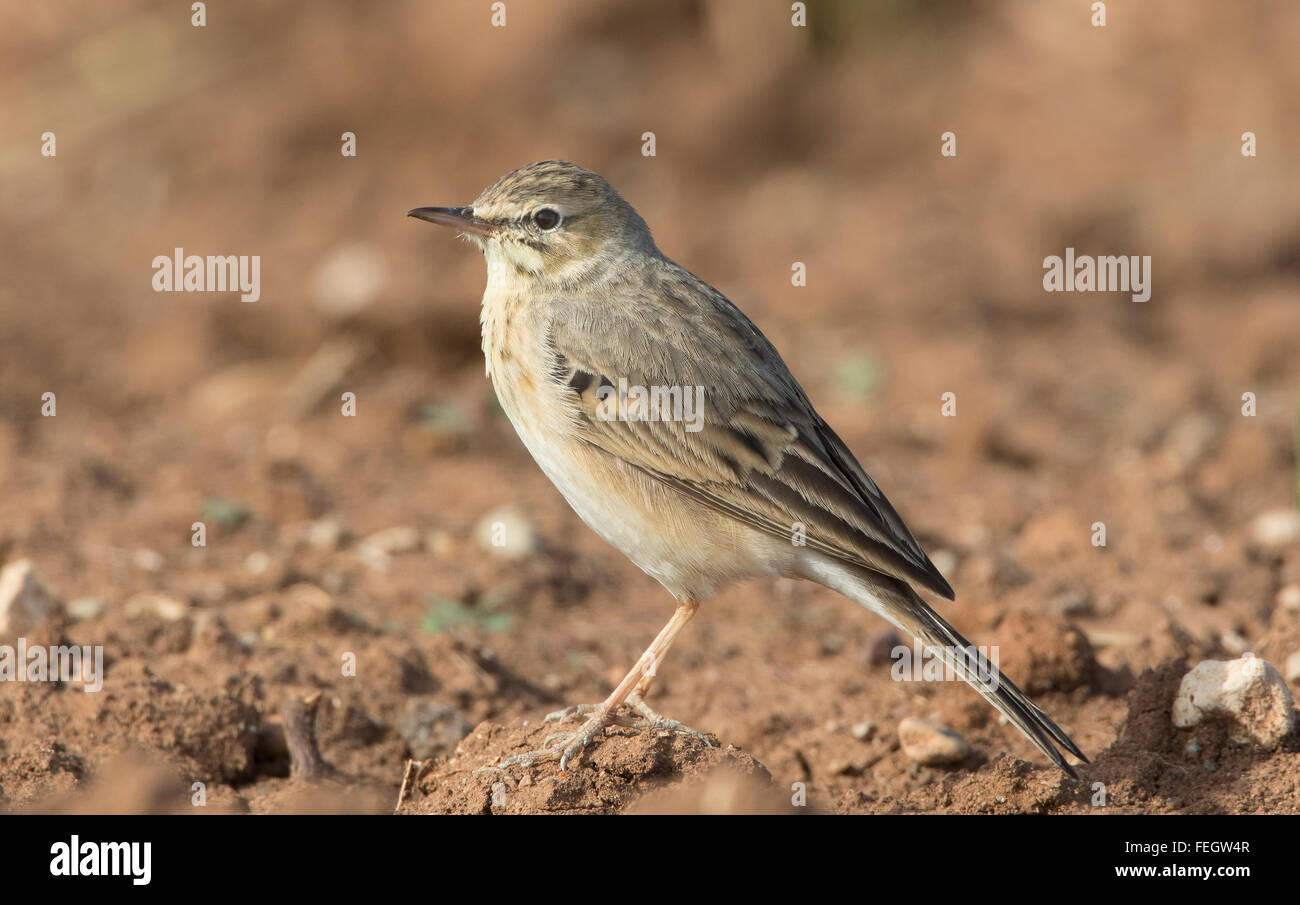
[
  {"x": 764, "y": 456},
  {"x": 914, "y": 615}
]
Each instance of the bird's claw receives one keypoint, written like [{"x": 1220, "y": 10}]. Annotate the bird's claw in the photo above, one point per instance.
[
  {"x": 568, "y": 747},
  {"x": 661, "y": 724},
  {"x": 653, "y": 721}
]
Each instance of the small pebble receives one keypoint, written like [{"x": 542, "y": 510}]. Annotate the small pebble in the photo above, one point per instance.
[
  {"x": 148, "y": 560},
  {"x": 1072, "y": 603},
  {"x": 1234, "y": 643},
  {"x": 168, "y": 609},
  {"x": 864, "y": 731},
  {"x": 1276, "y": 529},
  {"x": 25, "y": 599},
  {"x": 84, "y": 608},
  {"x": 929, "y": 742},
  {"x": 1101, "y": 639},
  {"x": 257, "y": 562},
  {"x": 1248, "y": 691},
  {"x": 324, "y": 533},
  {"x": 395, "y": 541}
]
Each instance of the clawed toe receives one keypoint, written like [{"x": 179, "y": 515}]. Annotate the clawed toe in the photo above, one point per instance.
[
  {"x": 562, "y": 746},
  {"x": 663, "y": 724},
  {"x": 654, "y": 722},
  {"x": 567, "y": 747}
]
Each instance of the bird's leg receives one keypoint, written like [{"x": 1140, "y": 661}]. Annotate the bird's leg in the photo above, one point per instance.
[
  {"x": 643, "y": 687},
  {"x": 649, "y": 718},
  {"x": 603, "y": 714},
  {"x": 635, "y": 698},
  {"x": 654, "y": 722}
]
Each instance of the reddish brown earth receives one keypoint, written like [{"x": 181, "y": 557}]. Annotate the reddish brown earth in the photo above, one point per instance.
[{"x": 774, "y": 146}]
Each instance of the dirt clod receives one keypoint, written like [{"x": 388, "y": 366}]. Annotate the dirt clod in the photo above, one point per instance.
[
  {"x": 1045, "y": 653},
  {"x": 615, "y": 775}
]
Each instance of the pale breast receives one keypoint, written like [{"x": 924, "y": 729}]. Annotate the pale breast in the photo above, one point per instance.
[{"x": 687, "y": 547}]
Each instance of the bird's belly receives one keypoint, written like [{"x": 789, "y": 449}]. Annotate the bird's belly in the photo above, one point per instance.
[{"x": 683, "y": 545}]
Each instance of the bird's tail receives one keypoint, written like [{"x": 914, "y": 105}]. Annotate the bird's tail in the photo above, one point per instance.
[{"x": 897, "y": 602}]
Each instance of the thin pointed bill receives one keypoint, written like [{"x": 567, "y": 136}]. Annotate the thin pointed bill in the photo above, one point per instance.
[{"x": 461, "y": 218}]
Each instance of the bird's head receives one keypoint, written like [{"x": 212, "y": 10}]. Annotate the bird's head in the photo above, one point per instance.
[{"x": 551, "y": 221}]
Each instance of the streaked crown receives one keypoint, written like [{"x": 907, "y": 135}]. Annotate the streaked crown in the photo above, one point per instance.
[{"x": 554, "y": 217}]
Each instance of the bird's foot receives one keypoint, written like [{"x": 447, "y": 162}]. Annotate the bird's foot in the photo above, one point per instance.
[
  {"x": 646, "y": 719},
  {"x": 653, "y": 722},
  {"x": 567, "y": 747},
  {"x": 562, "y": 746}
]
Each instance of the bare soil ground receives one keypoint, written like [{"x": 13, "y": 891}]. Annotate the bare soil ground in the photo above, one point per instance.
[{"x": 774, "y": 146}]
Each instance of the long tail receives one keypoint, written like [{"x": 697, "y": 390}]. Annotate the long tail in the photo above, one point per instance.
[{"x": 897, "y": 602}]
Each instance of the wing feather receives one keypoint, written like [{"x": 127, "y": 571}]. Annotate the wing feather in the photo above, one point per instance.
[{"x": 761, "y": 453}]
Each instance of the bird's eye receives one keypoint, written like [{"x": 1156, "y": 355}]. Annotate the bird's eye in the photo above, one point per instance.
[{"x": 547, "y": 218}]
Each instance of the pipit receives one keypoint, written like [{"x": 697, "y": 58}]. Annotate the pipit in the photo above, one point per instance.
[{"x": 581, "y": 305}]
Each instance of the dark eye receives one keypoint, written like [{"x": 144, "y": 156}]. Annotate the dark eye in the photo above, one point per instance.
[{"x": 547, "y": 218}]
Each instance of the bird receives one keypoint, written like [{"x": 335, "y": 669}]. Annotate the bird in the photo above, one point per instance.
[{"x": 586, "y": 325}]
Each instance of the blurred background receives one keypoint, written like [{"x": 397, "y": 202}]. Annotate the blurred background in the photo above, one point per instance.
[{"x": 774, "y": 144}]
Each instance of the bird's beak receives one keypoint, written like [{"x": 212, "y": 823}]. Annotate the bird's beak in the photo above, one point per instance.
[{"x": 461, "y": 218}]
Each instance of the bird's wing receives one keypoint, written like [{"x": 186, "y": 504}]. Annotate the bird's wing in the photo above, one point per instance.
[{"x": 757, "y": 451}]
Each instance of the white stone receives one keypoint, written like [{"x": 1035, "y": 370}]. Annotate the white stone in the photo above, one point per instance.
[
  {"x": 1249, "y": 691},
  {"x": 84, "y": 608},
  {"x": 324, "y": 533},
  {"x": 1234, "y": 642},
  {"x": 378, "y": 549},
  {"x": 168, "y": 609},
  {"x": 929, "y": 742},
  {"x": 25, "y": 600},
  {"x": 864, "y": 731},
  {"x": 148, "y": 560},
  {"x": 257, "y": 562},
  {"x": 395, "y": 540},
  {"x": 1277, "y": 528}
]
